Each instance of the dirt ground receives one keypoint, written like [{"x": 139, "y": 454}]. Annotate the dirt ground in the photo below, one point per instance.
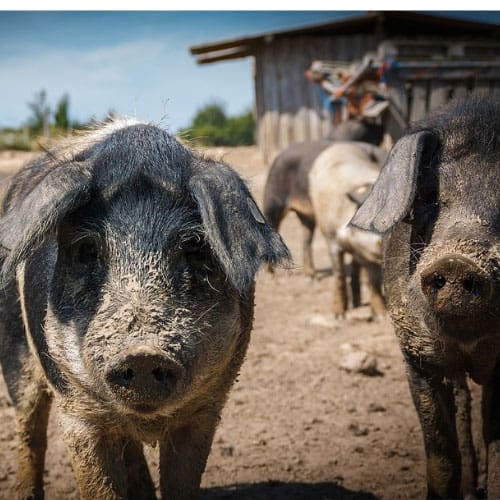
[{"x": 296, "y": 425}]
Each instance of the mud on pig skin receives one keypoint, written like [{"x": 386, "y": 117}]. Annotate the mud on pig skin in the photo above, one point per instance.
[{"x": 123, "y": 261}]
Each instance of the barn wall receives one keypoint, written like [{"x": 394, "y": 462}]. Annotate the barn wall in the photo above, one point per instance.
[
  {"x": 288, "y": 106},
  {"x": 289, "y": 109}
]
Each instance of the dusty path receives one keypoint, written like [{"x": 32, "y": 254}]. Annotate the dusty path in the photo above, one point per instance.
[{"x": 296, "y": 426}]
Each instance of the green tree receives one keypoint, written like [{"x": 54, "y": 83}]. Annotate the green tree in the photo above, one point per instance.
[
  {"x": 211, "y": 127},
  {"x": 210, "y": 114},
  {"x": 240, "y": 129},
  {"x": 61, "y": 115},
  {"x": 40, "y": 109}
]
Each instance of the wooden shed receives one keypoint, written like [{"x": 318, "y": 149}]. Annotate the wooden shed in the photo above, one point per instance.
[{"x": 288, "y": 108}]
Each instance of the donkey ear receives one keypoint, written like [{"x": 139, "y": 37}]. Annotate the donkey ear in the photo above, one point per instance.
[
  {"x": 393, "y": 193},
  {"x": 25, "y": 225},
  {"x": 237, "y": 232}
]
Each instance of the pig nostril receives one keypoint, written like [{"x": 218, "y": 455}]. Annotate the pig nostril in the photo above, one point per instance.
[
  {"x": 122, "y": 378},
  {"x": 472, "y": 286},
  {"x": 127, "y": 375},
  {"x": 161, "y": 375},
  {"x": 438, "y": 281}
]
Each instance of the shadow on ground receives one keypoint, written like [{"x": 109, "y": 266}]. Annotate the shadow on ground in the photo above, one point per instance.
[{"x": 275, "y": 490}]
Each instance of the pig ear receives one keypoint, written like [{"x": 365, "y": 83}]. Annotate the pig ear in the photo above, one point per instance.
[
  {"x": 392, "y": 195},
  {"x": 237, "y": 232},
  {"x": 25, "y": 225}
]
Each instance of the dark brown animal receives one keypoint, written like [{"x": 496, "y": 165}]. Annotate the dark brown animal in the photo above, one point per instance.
[
  {"x": 287, "y": 190},
  {"x": 128, "y": 299},
  {"x": 438, "y": 201}
]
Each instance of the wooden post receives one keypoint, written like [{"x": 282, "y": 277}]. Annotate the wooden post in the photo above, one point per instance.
[
  {"x": 439, "y": 92},
  {"x": 496, "y": 89},
  {"x": 419, "y": 100},
  {"x": 482, "y": 87},
  {"x": 460, "y": 90}
]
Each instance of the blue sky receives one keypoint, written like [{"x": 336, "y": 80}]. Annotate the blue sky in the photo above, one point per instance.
[{"x": 136, "y": 63}]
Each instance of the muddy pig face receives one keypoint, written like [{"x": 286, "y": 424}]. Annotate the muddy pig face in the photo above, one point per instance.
[
  {"x": 152, "y": 281},
  {"x": 441, "y": 188},
  {"x": 141, "y": 294}
]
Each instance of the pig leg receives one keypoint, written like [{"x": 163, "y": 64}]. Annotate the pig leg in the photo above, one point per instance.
[
  {"x": 29, "y": 394},
  {"x": 308, "y": 225},
  {"x": 97, "y": 460},
  {"x": 377, "y": 302},
  {"x": 339, "y": 285},
  {"x": 435, "y": 407},
  {"x": 355, "y": 283},
  {"x": 464, "y": 432},
  {"x": 183, "y": 456},
  {"x": 139, "y": 482},
  {"x": 491, "y": 430},
  {"x": 32, "y": 415}
]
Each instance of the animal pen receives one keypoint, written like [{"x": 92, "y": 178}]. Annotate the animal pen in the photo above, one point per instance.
[{"x": 426, "y": 60}]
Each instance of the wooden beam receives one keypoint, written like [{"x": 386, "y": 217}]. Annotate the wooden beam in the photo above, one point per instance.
[{"x": 224, "y": 55}]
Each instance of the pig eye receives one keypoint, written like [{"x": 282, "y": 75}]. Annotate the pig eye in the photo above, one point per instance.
[
  {"x": 86, "y": 253},
  {"x": 191, "y": 245},
  {"x": 193, "y": 253}
]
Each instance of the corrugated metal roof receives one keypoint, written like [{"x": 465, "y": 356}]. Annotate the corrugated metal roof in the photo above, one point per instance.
[{"x": 391, "y": 23}]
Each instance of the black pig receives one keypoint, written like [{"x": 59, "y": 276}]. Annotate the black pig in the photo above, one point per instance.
[
  {"x": 128, "y": 272},
  {"x": 438, "y": 200},
  {"x": 287, "y": 189}
]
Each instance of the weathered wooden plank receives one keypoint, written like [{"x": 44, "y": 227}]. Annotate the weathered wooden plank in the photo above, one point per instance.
[
  {"x": 439, "y": 93},
  {"x": 482, "y": 87},
  {"x": 302, "y": 132},
  {"x": 298, "y": 63},
  {"x": 496, "y": 89},
  {"x": 460, "y": 90},
  {"x": 424, "y": 48},
  {"x": 448, "y": 74},
  {"x": 394, "y": 123},
  {"x": 342, "y": 49},
  {"x": 419, "y": 100},
  {"x": 286, "y": 131},
  {"x": 262, "y": 134},
  {"x": 315, "y": 124},
  {"x": 272, "y": 98},
  {"x": 319, "y": 118},
  {"x": 397, "y": 95},
  {"x": 259, "y": 100}
]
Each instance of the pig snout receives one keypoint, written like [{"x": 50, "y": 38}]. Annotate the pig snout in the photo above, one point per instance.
[
  {"x": 142, "y": 377},
  {"x": 455, "y": 286}
]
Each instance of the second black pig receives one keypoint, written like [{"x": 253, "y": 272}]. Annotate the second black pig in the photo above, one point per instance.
[{"x": 438, "y": 200}]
